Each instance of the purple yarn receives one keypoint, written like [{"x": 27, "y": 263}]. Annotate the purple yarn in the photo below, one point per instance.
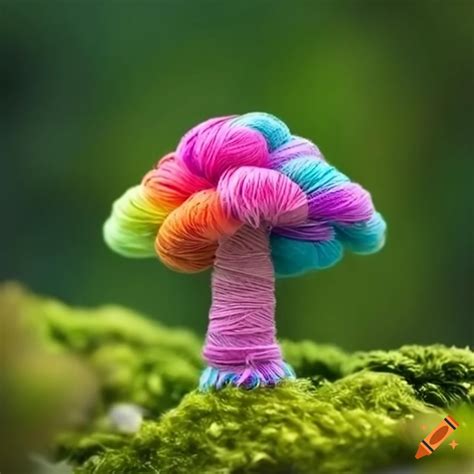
[
  {"x": 296, "y": 147},
  {"x": 310, "y": 230},
  {"x": 348, "y": 203}
]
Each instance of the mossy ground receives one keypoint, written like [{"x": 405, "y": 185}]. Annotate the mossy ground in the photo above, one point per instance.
[{"x": 349, "y": 413}]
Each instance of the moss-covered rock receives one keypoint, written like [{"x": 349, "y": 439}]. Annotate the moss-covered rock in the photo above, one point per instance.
[
  {"x": 292, "y": 428},
  {"x": 350, "y": 413},
  {"x": 359, "y": 423}
]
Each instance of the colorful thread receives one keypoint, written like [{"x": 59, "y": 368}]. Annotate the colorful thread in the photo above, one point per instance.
[{"x": 245, "y": 196}]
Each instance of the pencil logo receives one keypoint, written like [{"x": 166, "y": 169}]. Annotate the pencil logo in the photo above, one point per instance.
[{"x": 436, "y": 437}]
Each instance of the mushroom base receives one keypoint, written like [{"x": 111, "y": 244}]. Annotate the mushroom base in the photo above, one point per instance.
[{"x": 259, "y": 374}]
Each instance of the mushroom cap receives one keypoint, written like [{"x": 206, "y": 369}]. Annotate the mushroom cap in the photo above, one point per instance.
[{"x": 245, "y": 170}]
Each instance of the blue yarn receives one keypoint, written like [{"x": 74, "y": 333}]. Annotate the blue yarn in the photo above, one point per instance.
[
  {"x": 313, "y": 174},
  {"x": 276, "y": 133},
  {"x": 295, "y": 257},
  {"x": 212, "y": 377},
  {"x": 208, "y": 378},
  {"x": 363, "y": 237}
]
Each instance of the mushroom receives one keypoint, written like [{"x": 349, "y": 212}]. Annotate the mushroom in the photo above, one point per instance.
[{"x": 245, "y": 197}]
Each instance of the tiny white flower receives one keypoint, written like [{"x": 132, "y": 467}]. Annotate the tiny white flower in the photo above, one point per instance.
[{"x": 126, "y": 417}]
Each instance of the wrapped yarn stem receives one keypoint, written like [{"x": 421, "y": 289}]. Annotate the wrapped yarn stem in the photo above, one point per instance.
[{"x": 241, "y": 347}]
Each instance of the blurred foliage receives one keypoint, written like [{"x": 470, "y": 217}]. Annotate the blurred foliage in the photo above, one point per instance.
[
  {"x": 93, "y": 93},
  {"x": 41, "y": 391},
  {"x": 132, "y": 358}
]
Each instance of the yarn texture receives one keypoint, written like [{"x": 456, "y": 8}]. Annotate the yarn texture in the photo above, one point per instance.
[{"x": 245, "y": 196}]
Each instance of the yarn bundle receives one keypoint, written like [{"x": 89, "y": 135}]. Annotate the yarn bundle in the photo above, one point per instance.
[{"x": 245, "y": 196}]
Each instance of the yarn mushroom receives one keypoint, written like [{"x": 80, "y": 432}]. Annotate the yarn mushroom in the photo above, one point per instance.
[{"x": 245, "y": 197}]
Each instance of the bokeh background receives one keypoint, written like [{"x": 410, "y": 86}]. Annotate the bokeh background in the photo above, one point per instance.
[{"x": 93, "y": 93}]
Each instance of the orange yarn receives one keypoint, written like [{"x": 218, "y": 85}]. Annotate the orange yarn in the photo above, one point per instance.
[{"x": 188, "y": 238}]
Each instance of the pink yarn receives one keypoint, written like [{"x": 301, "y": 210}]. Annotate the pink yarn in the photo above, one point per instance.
[
  {"x": 241, "y": 338},
  {"x": 217, "y": 145},
  {"x": 256, "y": 195}
]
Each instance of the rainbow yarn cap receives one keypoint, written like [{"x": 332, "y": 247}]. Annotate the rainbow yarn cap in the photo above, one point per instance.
[{"x": 244, "y": 196}]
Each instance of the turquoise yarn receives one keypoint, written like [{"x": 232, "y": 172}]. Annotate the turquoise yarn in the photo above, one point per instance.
[
  {"x": 294, "y": 257},
  {"x": 363, "y": 237},
  {"x": 312, "y": 175},
  {"x": 214, "y": 378},
  {"x": 275, "y": 132}
]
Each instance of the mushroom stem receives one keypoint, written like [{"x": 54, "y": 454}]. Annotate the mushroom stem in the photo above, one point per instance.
[{"x": 241, "y": 346}]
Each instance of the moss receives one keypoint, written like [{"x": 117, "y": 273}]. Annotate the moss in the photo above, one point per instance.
[
  {"x": 292, "y": 428},
  {"x": 441, "y": 376},
  {"x": 314, "y": 360},
  {"x": 352, "y": 426},
  {"x": 356, "y": 424},
  {"x": 351, "y": 413}
]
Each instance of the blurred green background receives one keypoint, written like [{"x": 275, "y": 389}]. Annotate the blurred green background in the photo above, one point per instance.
[{"x": 93, "y": 93}]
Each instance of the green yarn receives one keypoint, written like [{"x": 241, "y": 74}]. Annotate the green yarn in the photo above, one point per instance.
[{"x": 351, "y": 413}]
